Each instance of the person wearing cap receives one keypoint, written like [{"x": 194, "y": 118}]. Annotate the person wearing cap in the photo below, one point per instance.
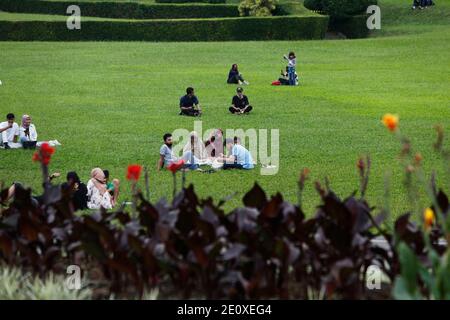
[{"x": 240, "y": 104}]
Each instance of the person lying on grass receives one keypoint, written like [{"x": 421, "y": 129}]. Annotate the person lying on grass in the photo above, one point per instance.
[
  {"x": 240, "y": 158},
  {"x": 10, "y": 133},
  {"x": 235, "y": 77},
  {"x": 112, "y": 187},
  {"x": 240, "y": 104},
  {"x": 189, "y": 104},
  {"x": 166, "y": 156},
  {"x": 36, "y": 200}
]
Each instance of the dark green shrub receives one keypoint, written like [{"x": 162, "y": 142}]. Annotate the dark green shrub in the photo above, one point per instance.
[
  {"x": 352, "y": 27},
  {"x": 222, "y": 29},
  {"x": 124, "y": 10},
  {"x": 339, "y": 8}
]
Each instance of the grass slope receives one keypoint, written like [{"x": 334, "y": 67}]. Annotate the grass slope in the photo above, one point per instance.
[{"x": 110, "y": 103}]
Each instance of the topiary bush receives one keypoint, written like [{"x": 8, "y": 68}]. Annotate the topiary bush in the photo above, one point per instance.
[{"x": 259, "y": 8}]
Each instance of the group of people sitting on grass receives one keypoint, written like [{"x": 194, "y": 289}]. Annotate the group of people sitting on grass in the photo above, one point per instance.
[
  {"x": 24, "y": 136},
  {"x": 100, "y": 191},
  {"x": 190, "y": 105},
  {"x": 197, "y": 153},
  {"x": 422, "y": 4}
]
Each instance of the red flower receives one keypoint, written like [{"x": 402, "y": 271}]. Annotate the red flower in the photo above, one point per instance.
[
  {"x": 44, "y": 154},
  {"x": 134, "y": 172},
  {"x": 175, "y": 166}
]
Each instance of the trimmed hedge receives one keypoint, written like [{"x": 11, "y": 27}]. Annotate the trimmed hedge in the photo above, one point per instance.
[
  {"x": 190, "y": 1},
  {"x": 352, "y": 27},
  {"x": 227, "y": 29},
  {"x": 124, "y": 10}
]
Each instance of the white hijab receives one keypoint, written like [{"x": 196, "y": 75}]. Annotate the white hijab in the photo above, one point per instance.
[{"x": 199, "y": 148}]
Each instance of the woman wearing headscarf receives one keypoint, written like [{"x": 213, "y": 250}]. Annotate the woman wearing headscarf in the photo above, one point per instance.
[
  {"x": 194, "y": 147},
  {"x": 97, "y": 193},
  {"x": 27, "y": 130},
  {"x": 28, "y": 133}
]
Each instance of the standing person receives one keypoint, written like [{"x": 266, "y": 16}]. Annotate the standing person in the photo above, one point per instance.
[
  {"x": 240, "y": 157},
  {"x": 234, "y": 76},
  {"x": 112, "y": 187},
  {"x": 98, "y": 195},
  {"x": 240, "y": 104},
  {"x": 80, "y": 191},
  {"x": 189, "y": 104},
  {"x": 10, "y": 132},
  {"x": 27, "y": 130},
  {"x": 292, "y": 63}
]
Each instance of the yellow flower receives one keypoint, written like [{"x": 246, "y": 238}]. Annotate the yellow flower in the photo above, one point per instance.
[
  {"x": 390, "y": 121},
  {"x": 428, "y": 217}
]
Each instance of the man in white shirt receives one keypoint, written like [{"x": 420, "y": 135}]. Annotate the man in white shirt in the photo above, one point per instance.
[{"x": 10, "y": 132}]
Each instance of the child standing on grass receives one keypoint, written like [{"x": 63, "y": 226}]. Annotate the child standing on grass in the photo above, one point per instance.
[{"x": 292, "y": 63}]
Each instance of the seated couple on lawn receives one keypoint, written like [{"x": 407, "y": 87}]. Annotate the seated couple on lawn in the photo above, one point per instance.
[
  {"x": 210, "y": 153},
  {"x": 99, "y": 192},
  {"x": 25, "y": 136}
]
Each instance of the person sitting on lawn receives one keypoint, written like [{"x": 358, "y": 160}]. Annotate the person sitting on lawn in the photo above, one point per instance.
[
  {"x": 240, "y": 104},
  {"x": 98, "y": 195},
  {"x": 28, "y": 135},
  {"x": 214, "y": 145},
  {"x": 284, "y": 79},
  {"x": 79, "y": 196},
  {"x": 235, "y": 77},
  {"x": 240, "y": 158},
  {"x": 112, "y": 187},
  {"x": 27, "y": 130},
  {"x": 166, "y": 156},
  {"x": 10, "y": 133},
  {"x": 196, "y": 147},
  {"x": 189, "y": 104}
]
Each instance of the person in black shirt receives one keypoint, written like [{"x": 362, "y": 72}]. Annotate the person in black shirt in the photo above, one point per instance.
[
  {"x": 240, "y": 104},
  {"x": 79, "y": 191},
  {"x": 189, "y": 104}
]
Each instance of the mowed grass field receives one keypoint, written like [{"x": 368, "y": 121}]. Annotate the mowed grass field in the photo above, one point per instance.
[{"x": 110, "y": 103}]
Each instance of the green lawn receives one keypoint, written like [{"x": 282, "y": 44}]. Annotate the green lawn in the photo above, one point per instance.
[{"x": 110, "y": 103}]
